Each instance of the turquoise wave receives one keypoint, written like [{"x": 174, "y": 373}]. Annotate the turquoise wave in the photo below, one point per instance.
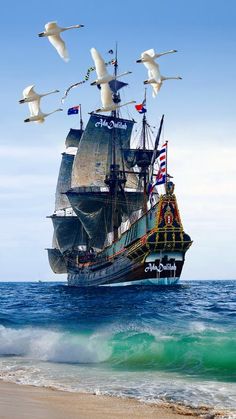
[{"x": 209, "y": 354}]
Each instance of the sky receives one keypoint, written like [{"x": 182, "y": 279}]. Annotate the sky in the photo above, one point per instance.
[{"x": 199, "y": 117}]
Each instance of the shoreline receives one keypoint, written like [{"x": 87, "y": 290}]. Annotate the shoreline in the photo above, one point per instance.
[{"x": 19, "y": 401}]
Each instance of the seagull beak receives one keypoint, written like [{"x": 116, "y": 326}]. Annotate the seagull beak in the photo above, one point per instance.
[
  {"x": 138, "y": 61},
  {"x": 41, "y": 34},
  {"x": 21, "y": 101},
  {"x": 27, "y": 120}
]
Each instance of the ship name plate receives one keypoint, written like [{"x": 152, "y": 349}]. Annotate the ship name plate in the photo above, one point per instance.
[
  {"x": 110, "y": 124},
  {"x": 160, "y": 268}
]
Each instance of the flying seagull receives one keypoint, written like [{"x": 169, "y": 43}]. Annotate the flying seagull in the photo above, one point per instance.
[
  {"x": 53, "y": 33},
  {"x": 155, "y": 79},
  {"x": 154, "y": 55},
  {"x": 102, "y": 74}
]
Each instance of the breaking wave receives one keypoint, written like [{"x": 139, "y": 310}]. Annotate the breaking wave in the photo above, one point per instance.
[
  {"x": 54, "y": 346},
  {"x": 172, "y": 344},
  {"x": 200, "y": 352}
]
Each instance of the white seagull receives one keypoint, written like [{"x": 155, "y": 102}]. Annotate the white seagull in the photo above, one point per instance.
[
  {"x": 36, "y": 115},
  {"x": 155, "y": 77},
  {"x": 154, "y": 55},
  {"x": 102, "y": 73},
  {"x": 30, "y": 95},
  {"x": 107, "y": 102},
  {"x": 53, "y": 33}
]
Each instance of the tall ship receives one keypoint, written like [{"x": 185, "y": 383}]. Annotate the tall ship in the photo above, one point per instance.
[{"x": 112, "y": 225}]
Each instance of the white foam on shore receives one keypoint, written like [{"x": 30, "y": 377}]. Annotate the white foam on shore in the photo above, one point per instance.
[
  {"x": 148, "y": 387},
  {"x": 49, "y": 345},
  {"x": 75, "y": 362}
]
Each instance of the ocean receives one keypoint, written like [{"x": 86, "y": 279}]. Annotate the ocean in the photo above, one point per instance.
[{"x": 173, "y": 344}]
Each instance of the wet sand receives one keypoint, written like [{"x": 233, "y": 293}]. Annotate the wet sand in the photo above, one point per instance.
[{"x": 27, "y": 402}]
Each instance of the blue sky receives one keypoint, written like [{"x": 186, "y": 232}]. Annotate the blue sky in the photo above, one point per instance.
[{"x": 199, "y": 113}]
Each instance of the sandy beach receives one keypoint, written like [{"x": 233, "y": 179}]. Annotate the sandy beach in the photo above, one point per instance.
[{"x": 23, "y": 402}]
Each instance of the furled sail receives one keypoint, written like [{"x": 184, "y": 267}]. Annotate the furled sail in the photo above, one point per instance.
[
  {"x": 94, "y": 209},
  {"x": 94, "y": 155},
  {"x": 69, "y": 232}
]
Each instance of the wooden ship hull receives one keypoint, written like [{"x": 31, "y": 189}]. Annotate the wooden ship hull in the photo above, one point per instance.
[{"x": 155, "y": 258}]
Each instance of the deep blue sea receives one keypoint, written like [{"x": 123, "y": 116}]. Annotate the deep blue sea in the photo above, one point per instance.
[{"x": 172, "y": 344}]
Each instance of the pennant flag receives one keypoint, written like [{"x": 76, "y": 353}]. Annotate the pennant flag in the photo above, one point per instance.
[
  {"x": 160, "y": 176},
  {"x": 160, "y": 180},
  {"x": 140, "y": 108},
  {"x": 73, "y": 111},
  {"x": 150, "y": 188},
  {"x": 116, "y": 85}
]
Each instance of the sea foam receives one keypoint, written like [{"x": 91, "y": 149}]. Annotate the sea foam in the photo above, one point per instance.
[{"x": 49, "y": 345}]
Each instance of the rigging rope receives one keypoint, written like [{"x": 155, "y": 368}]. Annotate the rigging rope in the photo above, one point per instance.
[{"x": 86, "y": 77}]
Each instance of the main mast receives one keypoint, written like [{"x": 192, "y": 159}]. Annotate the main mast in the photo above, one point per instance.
[
  {"x": 116, "y": 178},
  {"x": 116, "y": 99}
]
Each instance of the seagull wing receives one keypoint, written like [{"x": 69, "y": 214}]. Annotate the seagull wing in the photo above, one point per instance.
[
  {"x": 51, "y": 25},
  {"x": 106, "y": 95},
  {"x": 60, "y": 46},
  {"x": 99, "y": 63},
  {"x": 34, "y": 107},
  {"x": 28, "y": 91}
]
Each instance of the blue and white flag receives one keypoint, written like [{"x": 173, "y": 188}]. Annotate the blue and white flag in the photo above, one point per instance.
[{"x": 73, "y": 111}]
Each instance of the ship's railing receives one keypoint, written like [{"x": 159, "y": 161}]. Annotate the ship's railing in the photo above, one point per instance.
[{"x": 78, "y": 258}]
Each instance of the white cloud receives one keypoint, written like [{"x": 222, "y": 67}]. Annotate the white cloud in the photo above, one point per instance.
[{"x": 205, "y": 178}]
